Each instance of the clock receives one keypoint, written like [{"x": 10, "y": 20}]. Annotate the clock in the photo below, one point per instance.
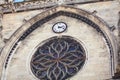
[{"x": 59, "y": 27}]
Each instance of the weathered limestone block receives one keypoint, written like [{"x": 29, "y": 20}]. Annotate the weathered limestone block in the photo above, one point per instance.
[{"x": 12, "y": 22}]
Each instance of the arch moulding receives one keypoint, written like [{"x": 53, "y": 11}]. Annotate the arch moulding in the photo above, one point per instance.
[{"x": 49, "y": 14}]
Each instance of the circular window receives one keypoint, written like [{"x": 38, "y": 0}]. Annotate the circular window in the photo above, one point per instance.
[{"x": 58, "y": 58}]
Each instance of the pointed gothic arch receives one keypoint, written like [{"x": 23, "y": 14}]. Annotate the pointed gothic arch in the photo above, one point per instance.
[{"x": 79, "y": 14}]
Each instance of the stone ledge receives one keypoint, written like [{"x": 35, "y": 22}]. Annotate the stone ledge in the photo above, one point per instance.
[{"x": 32, "y": 5}]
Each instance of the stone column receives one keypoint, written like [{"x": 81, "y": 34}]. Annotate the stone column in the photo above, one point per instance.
[
  {"x": 118, "y": 67},
  {"x": 119, "y": 34},
  {"x": 1, "y": 28}
]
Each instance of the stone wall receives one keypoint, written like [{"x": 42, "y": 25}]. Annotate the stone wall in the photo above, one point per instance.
[{"x": 107, "y": 11}]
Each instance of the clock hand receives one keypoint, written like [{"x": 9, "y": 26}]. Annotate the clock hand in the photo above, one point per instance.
[{"x": 59, "y": 26}]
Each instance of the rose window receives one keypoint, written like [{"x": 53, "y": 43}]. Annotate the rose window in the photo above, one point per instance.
[{"x": 58, "y": 58}]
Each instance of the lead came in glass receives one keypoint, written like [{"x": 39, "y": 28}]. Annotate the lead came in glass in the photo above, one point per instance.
[{"x": 58, "y": 59}]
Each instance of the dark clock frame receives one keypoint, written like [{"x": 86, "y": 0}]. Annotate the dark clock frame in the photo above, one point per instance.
[{"x": 61, "y": 31}]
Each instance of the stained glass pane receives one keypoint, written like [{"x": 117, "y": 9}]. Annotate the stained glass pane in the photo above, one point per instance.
[{"x": 58, "y": 59}]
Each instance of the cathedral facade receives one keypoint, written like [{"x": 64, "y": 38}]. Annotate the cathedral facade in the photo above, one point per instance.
[{"x": 59, "y": 40}]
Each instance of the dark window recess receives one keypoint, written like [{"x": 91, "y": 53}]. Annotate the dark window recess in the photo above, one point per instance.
[{"x": 18, "y": 0}]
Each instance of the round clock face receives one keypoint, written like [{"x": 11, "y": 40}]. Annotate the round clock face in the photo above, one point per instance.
[{"x": 59, "y": 27}]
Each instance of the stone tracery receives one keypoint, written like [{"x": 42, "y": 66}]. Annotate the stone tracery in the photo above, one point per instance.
[{"x": 58, "y": 59}]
